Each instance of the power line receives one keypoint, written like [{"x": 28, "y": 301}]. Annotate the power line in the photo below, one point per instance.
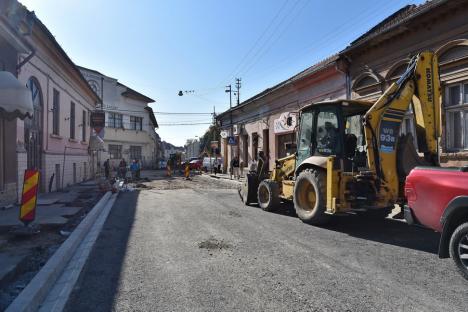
[
  {"x": 231, "y": 74},
  {"x": 185, "y": 124},
  {"x": 267, "y": 42},
  {"x": 323, "y": 41},
  {"x": 181, "y": 113}
]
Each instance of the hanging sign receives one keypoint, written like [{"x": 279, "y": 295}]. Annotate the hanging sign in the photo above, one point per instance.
[
  {"x": 98, "y": 120},
  {"x": 285, "y": 123},
  {"x": 231, "y": 140}
]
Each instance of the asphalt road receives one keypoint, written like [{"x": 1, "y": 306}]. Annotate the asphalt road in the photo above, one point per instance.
[{"x": 197, "y": 248}]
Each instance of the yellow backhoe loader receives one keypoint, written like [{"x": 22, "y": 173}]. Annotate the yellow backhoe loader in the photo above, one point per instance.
[{"x": 351, "y": 157}]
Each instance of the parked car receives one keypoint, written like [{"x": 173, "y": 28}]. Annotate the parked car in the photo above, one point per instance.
[
  {"x": 196, "y": 164},
  {"x": 209, "y": 161},
  {"x": 438, "y": 199}
]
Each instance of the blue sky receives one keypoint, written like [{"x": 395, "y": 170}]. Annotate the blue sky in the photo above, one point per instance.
[{"x": 161, "y": 47}]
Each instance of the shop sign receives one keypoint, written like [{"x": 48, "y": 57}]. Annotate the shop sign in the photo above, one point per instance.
[{"x": 285, "y": 123}]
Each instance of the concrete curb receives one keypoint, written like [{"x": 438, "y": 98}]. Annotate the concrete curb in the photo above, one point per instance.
[
  {"x": 36, "y": 291},
  {"x": 59, "y": 295}
]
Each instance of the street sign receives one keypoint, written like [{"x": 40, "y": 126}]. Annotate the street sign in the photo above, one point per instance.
[
  {"x": 29, "y": 197},
  {"x": 98, "y": 120},
  {"x": 231, "y": 140}
]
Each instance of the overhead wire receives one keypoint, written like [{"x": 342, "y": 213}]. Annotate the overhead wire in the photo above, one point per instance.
[
  {"x": 305, "y": 3},
  {"x": 267, "y": 44},
  {"x": 318, "y": 45},
  {"x": 259, "y": 38}
]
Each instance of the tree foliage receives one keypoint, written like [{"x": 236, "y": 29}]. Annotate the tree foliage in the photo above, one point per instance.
[{"x": 212, "y": 134}]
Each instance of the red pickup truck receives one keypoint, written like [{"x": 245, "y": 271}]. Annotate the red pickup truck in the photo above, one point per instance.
[{"x": 438, "y": 199}]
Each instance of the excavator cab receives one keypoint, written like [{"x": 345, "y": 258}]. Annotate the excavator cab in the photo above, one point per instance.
[{"x": 332, "y": 129}]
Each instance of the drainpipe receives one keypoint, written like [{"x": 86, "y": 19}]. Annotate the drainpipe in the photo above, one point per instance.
[{"x": 347, "y": 62}]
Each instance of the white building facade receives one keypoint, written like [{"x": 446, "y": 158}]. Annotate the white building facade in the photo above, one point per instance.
[
  {"x": 192, "y": 148},
  {"x": 130, "y": 124}
]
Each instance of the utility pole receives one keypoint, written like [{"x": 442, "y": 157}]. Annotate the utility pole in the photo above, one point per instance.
[
  {"x": 229, "y": 90},
  {"x": 238, "y": 86}
]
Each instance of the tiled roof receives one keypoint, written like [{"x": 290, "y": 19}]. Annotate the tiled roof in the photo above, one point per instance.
[
  {"x": 134, "y": 94},
  {"x": 400, "y": 17}
]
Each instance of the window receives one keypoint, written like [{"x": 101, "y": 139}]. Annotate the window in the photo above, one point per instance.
[
  {"x": 327, "y": 136},
  {"x": 56, "y": 113},
  {"x": 305, "y": 133},
  {"x": 136, "y": 123},
  {"x": 366, "y": 85},
  {"x": 114, "y": 120},
  {"x": 72, "y": 120},
  {"x": 135, "y": 152},
  {"x": 83, "y": 129},
  {"x": 115, "y": 151},
  {"x": 456, "y": 114}
]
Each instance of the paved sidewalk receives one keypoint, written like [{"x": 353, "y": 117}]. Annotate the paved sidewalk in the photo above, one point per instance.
[{"x": 57, "y": 214}]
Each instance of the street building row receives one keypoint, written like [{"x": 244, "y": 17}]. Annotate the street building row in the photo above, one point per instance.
[
  {"x": 363, "y": 70},
  {"x": 46, "y": 104}
]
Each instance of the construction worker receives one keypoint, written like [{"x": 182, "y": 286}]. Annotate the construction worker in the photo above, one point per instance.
[{"x": 187, "y": 171}]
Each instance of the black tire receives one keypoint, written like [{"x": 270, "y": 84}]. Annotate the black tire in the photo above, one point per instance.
[
  {"x": 459, "y": 248},
  {"x": 248, "y": 190},
  {"x": 268, "y": 195},
  {"x": 310, "y": 197}
]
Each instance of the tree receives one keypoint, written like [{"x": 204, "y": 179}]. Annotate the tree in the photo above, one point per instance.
[{"x": 212, "y": 134}]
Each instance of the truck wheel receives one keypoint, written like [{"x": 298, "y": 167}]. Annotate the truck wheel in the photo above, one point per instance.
[
  {"x": 248, "y": 190},
  {"x": 268, "y": 195},
  {"x": 310, "y": 197},
  {"x": 459, "y": 248}
]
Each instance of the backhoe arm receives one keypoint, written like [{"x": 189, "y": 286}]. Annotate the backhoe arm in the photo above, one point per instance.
[{"x": 420, "y": 85}]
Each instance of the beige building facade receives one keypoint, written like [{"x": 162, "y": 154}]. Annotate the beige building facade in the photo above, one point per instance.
[
  {"x": 261, "y": 122},
  {"x": 130, "y": 123}
]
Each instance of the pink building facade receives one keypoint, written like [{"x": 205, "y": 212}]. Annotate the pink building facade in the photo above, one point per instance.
[{"x": 56, "y": 139}]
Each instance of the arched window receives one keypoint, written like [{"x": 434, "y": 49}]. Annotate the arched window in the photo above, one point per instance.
[
  {"x": 453, "y": 54},
  {"x": 396, "y": 70},
  {"x": 94, "y": 85},
  {"x": 453, "y": 60},
  {"x": 366, "y": 85}
]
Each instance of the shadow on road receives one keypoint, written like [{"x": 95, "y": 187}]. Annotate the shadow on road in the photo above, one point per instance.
[
  {"x": 386, "y": 231},
  {"x": 100, "y": 278}
]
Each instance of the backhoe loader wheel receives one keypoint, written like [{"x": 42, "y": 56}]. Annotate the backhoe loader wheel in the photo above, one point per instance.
[
  {"x": 310, "y": 197},
  {"x": 268, "y": 195},
  {"x": 248, "y": 190}
]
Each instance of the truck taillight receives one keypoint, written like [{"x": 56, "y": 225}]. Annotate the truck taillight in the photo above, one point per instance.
[{"x": 410, "y": 192}]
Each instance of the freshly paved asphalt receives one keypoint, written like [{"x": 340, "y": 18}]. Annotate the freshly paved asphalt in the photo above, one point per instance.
[{"x": 200, "y": 249}]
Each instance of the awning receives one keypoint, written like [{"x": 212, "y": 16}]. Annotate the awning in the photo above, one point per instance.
[{"x": 15, "y": 99}]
